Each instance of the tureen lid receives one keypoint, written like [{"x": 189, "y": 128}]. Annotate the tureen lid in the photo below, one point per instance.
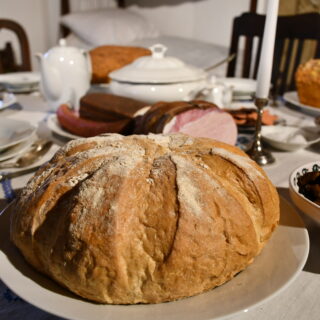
[{"x": 157, "y": 68}]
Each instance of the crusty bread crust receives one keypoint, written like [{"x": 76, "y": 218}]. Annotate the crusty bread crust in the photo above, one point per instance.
[
  {"x": 105, "y": 59},
  {"x": 144, "y": 219}
]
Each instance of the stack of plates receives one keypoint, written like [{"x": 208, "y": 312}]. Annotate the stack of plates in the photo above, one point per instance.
[
  {"x": 15, "y": 137},
  {"x": 243, "y": 89},
  {"x": 20, "y": 82}
]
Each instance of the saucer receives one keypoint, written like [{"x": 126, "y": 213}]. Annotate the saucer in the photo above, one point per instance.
[{"x": 18, "y": 82}]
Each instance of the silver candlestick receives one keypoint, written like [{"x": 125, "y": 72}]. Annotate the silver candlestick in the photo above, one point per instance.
[{"x": 256, "y": 151}]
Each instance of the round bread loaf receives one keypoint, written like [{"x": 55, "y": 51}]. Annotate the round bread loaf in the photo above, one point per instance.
[
  {"x": 105, "y": 59},
  {"x": 308, "y": 83},
  {"x": 144, "y": 219}
]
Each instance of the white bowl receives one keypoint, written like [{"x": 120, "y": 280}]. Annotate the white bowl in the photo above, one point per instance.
[
  {"x": 289, "y": 138},
  {"x": 153, "y": 92},
  {"x": 305, "y": 205}
]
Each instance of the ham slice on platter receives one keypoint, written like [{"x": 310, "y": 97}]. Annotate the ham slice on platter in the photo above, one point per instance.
[{"x": 196, "y": 118}]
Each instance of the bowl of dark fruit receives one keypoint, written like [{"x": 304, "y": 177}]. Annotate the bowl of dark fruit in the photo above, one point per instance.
[{"x": 304, "y": 188}]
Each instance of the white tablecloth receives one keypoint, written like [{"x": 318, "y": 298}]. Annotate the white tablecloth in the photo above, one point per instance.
[{"x": 299, "y": 301}]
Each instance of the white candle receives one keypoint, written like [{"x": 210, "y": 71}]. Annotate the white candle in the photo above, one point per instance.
[{"x": 267, "y": 50}]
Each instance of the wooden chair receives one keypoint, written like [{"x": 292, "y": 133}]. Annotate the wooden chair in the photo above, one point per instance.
[
  {"x": 293, "y": 34},
  {"x": 7, "y": 57}
]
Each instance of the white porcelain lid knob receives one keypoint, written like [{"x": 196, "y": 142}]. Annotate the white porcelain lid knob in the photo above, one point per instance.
[
  {"x": 158, "y": 50},
  {"x": 62, "y": 43}
]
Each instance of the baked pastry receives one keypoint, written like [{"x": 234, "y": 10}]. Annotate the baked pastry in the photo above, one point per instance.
[
  {"x": 197, "y": 118},
  {"x": 144, "y": 219},
  {"x": 105, "y": 59},
  {"x": 308, "y": 83}
]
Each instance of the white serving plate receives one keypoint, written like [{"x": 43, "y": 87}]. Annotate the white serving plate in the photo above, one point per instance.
[
  {"x": 292, "y": 97},
  {"x": 14, "y": 131},
  {"x": 20, "y": 81},
  {"x": 272, "y": 271},
  {"x": 54, "y": 126},
  {"x": 305, "y": 205},
  {"x": 290, "y": 138},
  {"x": 6, "y": 100}
]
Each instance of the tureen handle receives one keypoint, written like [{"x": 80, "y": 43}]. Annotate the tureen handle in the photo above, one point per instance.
[{"x": 158, "y": 50}]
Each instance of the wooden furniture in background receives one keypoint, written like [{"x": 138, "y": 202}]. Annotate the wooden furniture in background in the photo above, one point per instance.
[
  {"x": 292, "y": 34},
  {"x": 8, "y": 62}
]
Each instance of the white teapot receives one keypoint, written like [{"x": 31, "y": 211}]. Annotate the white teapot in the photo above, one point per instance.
[{"x": 65, "y": 75}]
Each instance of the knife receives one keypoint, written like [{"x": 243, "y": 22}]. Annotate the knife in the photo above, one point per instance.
[{"x": 9, "y": 175}]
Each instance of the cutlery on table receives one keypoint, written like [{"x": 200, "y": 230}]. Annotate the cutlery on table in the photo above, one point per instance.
[
  {"x": 9, "y": 175},
  {"x": 38, "y": 149}
]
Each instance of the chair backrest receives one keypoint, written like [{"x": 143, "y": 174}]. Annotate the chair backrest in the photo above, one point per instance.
[
  {"x": 293, "y": 34},
  {"x": 7, "y": 57}
]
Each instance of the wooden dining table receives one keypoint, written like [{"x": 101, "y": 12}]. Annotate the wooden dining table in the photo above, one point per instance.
[{"x": 297, "y": 300}]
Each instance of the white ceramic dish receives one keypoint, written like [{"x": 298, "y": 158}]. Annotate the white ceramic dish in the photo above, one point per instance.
[
  {"x": 157, "y": 78},
  {"x": 14, "y": 131},
  {"x": 17, "y": 149},
  {"x": 20, "y": 81},
  {"x": 272, "y": 271},
  {"x": 305, "y": 205},
  {"x": 289, "y": 138},
  {"x": 6, "y": 100},
  {"x": 292, "y": 97},
  {"x": 152, "y": 93},
  {"x": 243, "y": 89},
  {"x": 54, "y": 126}
]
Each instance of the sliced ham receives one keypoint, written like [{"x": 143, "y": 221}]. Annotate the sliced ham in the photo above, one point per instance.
[
  {"x": 210, "y": 123},
  {"x": 197, "y": 118}
]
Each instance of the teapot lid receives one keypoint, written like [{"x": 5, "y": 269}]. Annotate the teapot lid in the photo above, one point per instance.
[
  {"x": 63, "y": 48},
  {"x": 157, "y": 68}
]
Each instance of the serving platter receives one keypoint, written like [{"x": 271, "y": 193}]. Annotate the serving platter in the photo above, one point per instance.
[
  {"x": 272, "y": 271},
  {"x": 292, "y": 97},
  {"x": 54, "y": 126}
]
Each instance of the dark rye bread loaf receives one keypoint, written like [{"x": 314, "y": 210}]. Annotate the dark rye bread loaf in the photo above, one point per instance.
[
  {"x": 108, "y": 107},
  {"x": 144, "y": 219},
  {"x": 100, "y": 113}
]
